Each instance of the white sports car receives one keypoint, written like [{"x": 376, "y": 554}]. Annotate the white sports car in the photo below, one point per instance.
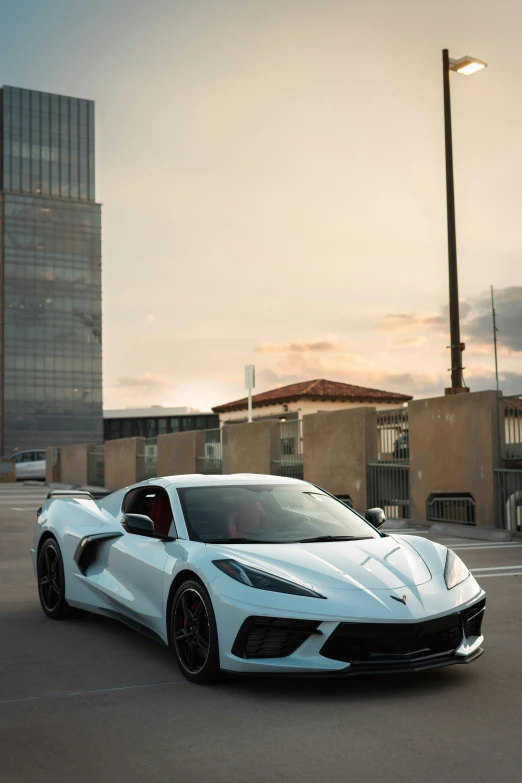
[{"x": 257, "y": 574}]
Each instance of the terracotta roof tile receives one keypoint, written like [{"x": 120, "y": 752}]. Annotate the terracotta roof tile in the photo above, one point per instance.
[{"x": 318, "y": 390}]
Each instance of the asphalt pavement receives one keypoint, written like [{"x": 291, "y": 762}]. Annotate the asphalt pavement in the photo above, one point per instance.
[{"x": 91, "y": 700}]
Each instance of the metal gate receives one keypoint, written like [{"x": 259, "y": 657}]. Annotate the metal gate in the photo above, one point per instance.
[
  {"x": 96, "y": 466},
  {"x": 508, "y": 499},
  {"x": 389, "y": 477},
  {"x": 290, "y": 462},
  {"x": 211, "y": 464},
  {"x": 389, "y": 488}
]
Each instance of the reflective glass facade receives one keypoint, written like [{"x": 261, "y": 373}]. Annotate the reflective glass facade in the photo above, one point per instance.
[
  {"x": 50, "y": 272},
  {"x": 152, "y": 426}
]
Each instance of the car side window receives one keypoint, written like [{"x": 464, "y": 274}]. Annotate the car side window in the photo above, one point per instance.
[
  {"x": 27, "y": 457},
  {"x": 152, "y": 502}
]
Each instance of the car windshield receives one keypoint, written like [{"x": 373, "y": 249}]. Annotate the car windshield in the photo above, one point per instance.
[{"x": 269, "y": 513}]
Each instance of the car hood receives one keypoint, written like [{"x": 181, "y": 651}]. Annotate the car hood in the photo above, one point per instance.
[{"x": 377, "y": 563}]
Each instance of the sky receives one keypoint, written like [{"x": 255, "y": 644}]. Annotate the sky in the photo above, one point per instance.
[{"x": 273, "y": 187}]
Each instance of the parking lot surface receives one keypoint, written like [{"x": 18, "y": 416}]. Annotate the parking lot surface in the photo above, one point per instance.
[{"x": 91, "y": 700}]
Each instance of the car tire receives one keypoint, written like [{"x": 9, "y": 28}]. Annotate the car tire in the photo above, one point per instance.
[
  {"x": 51, "y": 583},
  {"x": 193, "y": 633}
]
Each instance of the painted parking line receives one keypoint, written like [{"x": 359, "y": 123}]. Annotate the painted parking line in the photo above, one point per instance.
[
  {"x": 507, "y": 545},
  {"x": 22, "y": 501},
  {"x": 64, "y": 694},
  {"x": 504, "y": 573},
  {"x": 496, "y": 568}
]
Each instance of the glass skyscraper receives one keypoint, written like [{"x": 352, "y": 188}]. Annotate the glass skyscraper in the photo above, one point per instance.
[{"x": 50, "y": 273}]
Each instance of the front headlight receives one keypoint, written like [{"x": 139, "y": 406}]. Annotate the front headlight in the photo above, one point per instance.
[
  {"x": 454, "y": 571},
  {"x": 261, "y": 580}
]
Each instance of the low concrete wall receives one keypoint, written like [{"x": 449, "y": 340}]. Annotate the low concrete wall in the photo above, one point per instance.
[
  {"x": 337, "y": 447},
  {"x": 75, "y": 463},
  {"x": 250, "y": 447},
  {"x": 7, "y": 471},
  {"x": 177, "y": 452},
  {"x": 53, "y": 462},
  {"x": 124, "y": 462},
  {"x": 453, "y": 449}
]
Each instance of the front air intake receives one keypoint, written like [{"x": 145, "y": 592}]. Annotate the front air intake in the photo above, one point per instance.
[{"x": 272, "y": 637}]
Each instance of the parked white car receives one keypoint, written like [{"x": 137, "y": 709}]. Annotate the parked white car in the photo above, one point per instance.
[
  {"x": 257, "y": 574},
  {"x": 30, "y": 464}
]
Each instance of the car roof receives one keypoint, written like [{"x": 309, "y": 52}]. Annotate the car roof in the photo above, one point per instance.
[
  {"x": 25, "y": 451},
  {"x": 200, "y": 479}
]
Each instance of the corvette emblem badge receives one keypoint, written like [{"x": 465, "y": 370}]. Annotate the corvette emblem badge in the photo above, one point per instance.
[{"x": 401, "y": 600}]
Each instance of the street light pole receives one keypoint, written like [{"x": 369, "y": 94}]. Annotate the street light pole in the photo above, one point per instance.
[
  {"x": 456, "y": 346},
  {"x": 467, "y": 66}
]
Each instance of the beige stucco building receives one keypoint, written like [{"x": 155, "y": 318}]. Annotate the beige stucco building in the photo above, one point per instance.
[{"x": 299, "y": 399}]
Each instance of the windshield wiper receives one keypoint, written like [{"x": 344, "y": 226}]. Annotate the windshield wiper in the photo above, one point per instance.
[
  {"x": 238, "y": 541},
  {"x": 332, "y": 538}
]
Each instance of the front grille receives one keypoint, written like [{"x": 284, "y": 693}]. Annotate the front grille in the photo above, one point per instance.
[
  {"x": 394, "y": 642},
  {"x": 272, "y": 637},
  {"x": 472, "y": 619}
]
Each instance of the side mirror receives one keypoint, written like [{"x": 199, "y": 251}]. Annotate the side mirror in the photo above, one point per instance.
[
  {"x": 138, "y": 523},
  {"x": 375, "y": 516}
]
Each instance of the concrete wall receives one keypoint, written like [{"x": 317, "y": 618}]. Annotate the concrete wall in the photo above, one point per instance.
[
  {"x": 454, "y": 448},
  {"x": 75, "y": 463},
  {"x": 177, "y": 452},
  {"x": 7, "y": 471},
  {"x": 337, "y": 447},
  {"x": 124, "y": 462},
  {"x": 53, "y": 462},
  {"x": 250, "y": 448}
]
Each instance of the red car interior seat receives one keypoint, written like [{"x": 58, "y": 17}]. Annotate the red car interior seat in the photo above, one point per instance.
[
  {"x": 247, "y": 517},
  {"x": 161, "y": 514}
]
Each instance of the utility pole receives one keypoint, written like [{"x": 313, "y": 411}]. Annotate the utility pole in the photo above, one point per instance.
[{"x": 495, "y": 330}]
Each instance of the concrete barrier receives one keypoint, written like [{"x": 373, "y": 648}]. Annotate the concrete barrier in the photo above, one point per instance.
[
  {"x": 454, "y": 449},
  {"x": 250, "y": 447},
  {"x": 178, "y": 451},
  {"x": 53, "y": 462},
  {"x": 7, "y": 471},
  {"x": 337, "y": 447},
  {"x": 74, "y": 464},
  {"x": 124, "y": 462}
]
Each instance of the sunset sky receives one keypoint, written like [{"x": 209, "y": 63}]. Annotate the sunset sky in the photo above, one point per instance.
[{"x": 273, "y": 186}]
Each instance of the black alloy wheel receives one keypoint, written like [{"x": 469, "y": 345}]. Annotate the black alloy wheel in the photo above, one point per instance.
[
  {"x": 51, "y": 582},
  {"x": 194, "y": 633}
]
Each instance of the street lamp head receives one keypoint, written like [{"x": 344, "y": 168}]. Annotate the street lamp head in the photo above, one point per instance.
[{"x": 467, "y": 65}]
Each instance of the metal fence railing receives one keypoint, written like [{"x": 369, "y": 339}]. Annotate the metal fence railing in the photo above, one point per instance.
[
  {"x": 290, "y": 461},
  {"x": 389, "y": 488},
  {"x": 287, "y": 469},
  {"x": 508, "y": 499},
  {"x": 96, "y": 466},
  {"x": 211, "y": 463},
  {"x": 512, "y": 407},
  {"x": 451, "y": 508},
  {"x": 147, "y": 467},
  {"x": 392, "y": 435}
]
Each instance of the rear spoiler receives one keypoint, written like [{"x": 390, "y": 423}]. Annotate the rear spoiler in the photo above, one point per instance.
[{"x": 69, "y": 493}]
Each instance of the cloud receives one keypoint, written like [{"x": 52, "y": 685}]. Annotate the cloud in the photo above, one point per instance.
[
  {"x": 147, "y": 379},
  {"x": 318, "y": 345},
  {"x": 509, "y": 382},
  {"x": 478, "y": 325},
  {"x": 399, "y": 322},
  {"x": 348, "y": 368},
  {"x": 408, "y": 342}
]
